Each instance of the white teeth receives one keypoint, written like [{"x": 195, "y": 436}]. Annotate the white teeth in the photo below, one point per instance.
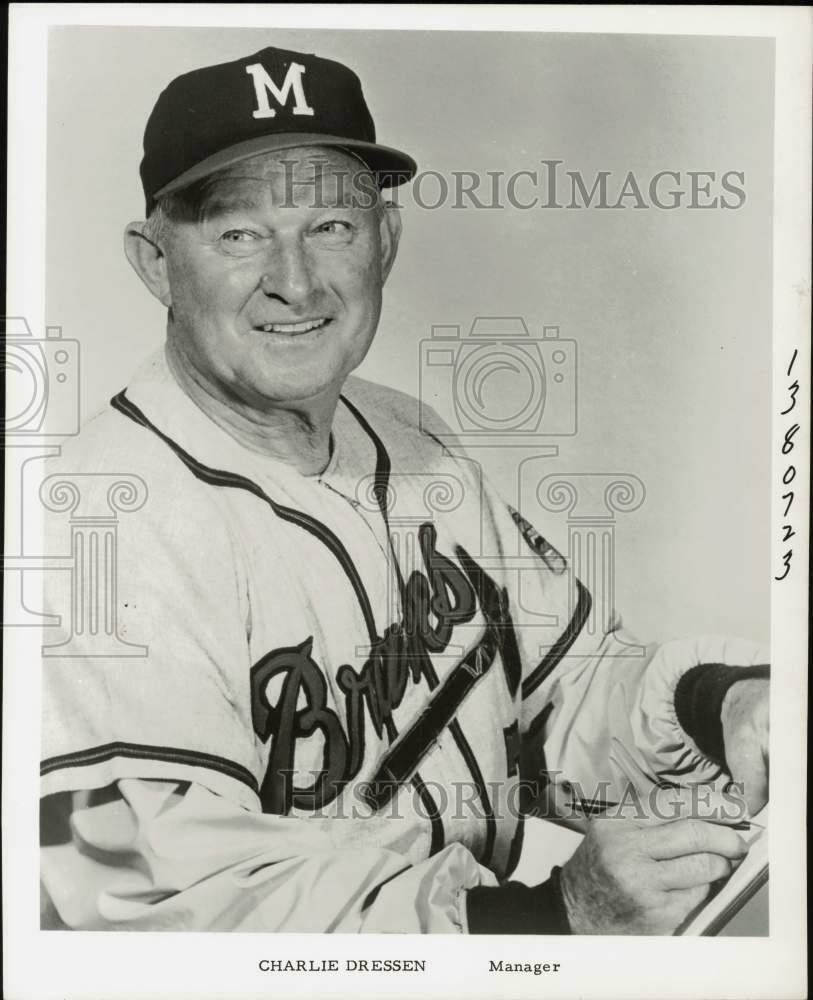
[{"x": 312, "y": 324}]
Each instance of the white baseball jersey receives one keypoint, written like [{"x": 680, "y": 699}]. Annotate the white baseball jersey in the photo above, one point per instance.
[{"x": 346, "y": 677}]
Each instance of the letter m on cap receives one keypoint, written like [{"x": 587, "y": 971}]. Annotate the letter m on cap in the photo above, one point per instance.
[{"x": 264, "y": 85}]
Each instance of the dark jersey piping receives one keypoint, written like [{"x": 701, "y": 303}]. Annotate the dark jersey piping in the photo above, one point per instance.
[
  {"x": 107, "y": 751},
  {"x": 381, "y": 481},
  {"x": 560, "y": 648},
  {"x": 219, "y": 477}
]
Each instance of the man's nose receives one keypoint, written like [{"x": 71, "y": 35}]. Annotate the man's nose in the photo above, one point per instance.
[{"x": 288, "y": 274}]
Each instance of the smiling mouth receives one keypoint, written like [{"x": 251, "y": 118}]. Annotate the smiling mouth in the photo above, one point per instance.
[{"x": 294, "y": 329}]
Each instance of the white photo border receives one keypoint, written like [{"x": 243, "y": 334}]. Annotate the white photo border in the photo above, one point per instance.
[{"x": 60, "y": 964}]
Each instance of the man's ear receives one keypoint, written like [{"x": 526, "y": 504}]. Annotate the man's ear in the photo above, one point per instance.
[
  {"x": 390, "y": 228},
  {"x": 148, "y": 261}
]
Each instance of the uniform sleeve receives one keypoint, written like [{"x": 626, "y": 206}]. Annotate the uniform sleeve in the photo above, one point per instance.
[
  {"x": 156, "y": 855},
  {"x": 598, "y": 707},
  {"x": 145, "y": 675}
]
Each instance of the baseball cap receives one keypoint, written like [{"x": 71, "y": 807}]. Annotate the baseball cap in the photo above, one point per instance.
[{"x": 275, "y": 99}]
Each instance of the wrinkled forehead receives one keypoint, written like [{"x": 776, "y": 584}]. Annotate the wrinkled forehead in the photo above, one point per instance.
[{"x": 305, "y": 177}]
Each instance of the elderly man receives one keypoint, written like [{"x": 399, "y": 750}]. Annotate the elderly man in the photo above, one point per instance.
[{"x": 329, "y": 727}]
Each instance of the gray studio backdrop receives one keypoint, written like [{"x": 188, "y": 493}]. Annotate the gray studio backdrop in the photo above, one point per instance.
[{"x": 670, "y": 309}]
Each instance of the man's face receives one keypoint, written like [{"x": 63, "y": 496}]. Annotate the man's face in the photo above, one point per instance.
[{"x": 275, "y": 291}]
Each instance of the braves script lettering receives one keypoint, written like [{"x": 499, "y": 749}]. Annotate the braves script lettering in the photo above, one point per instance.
[{"x": 446, "y": 593}]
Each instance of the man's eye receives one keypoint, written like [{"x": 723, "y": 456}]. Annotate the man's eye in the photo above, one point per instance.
[
  {"x": 237, "y": 236},
  {"x": 240, "y": 242},
  {"x": 334, "y": 232}
]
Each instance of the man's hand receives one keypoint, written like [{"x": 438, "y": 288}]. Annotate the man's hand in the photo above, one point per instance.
[
  {"x": 744, "y": 716},
  {"x": 642, "y": 876}
]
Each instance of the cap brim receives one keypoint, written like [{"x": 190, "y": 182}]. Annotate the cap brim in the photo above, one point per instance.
[{"x": 391, "y": 166}]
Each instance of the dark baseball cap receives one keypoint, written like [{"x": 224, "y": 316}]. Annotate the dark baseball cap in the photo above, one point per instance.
[{"x": 272, "y": 100}]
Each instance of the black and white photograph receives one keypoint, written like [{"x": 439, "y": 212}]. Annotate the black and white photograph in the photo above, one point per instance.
[{"x": 407, "y": 489}]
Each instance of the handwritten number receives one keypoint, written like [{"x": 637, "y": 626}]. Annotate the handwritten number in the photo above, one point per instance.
[
  {"x": 786, "y": 558},
  {"x": 789, "y": 475},
  {"x": 794, "y": 388},
  {"x": 787, "y": 447}
]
